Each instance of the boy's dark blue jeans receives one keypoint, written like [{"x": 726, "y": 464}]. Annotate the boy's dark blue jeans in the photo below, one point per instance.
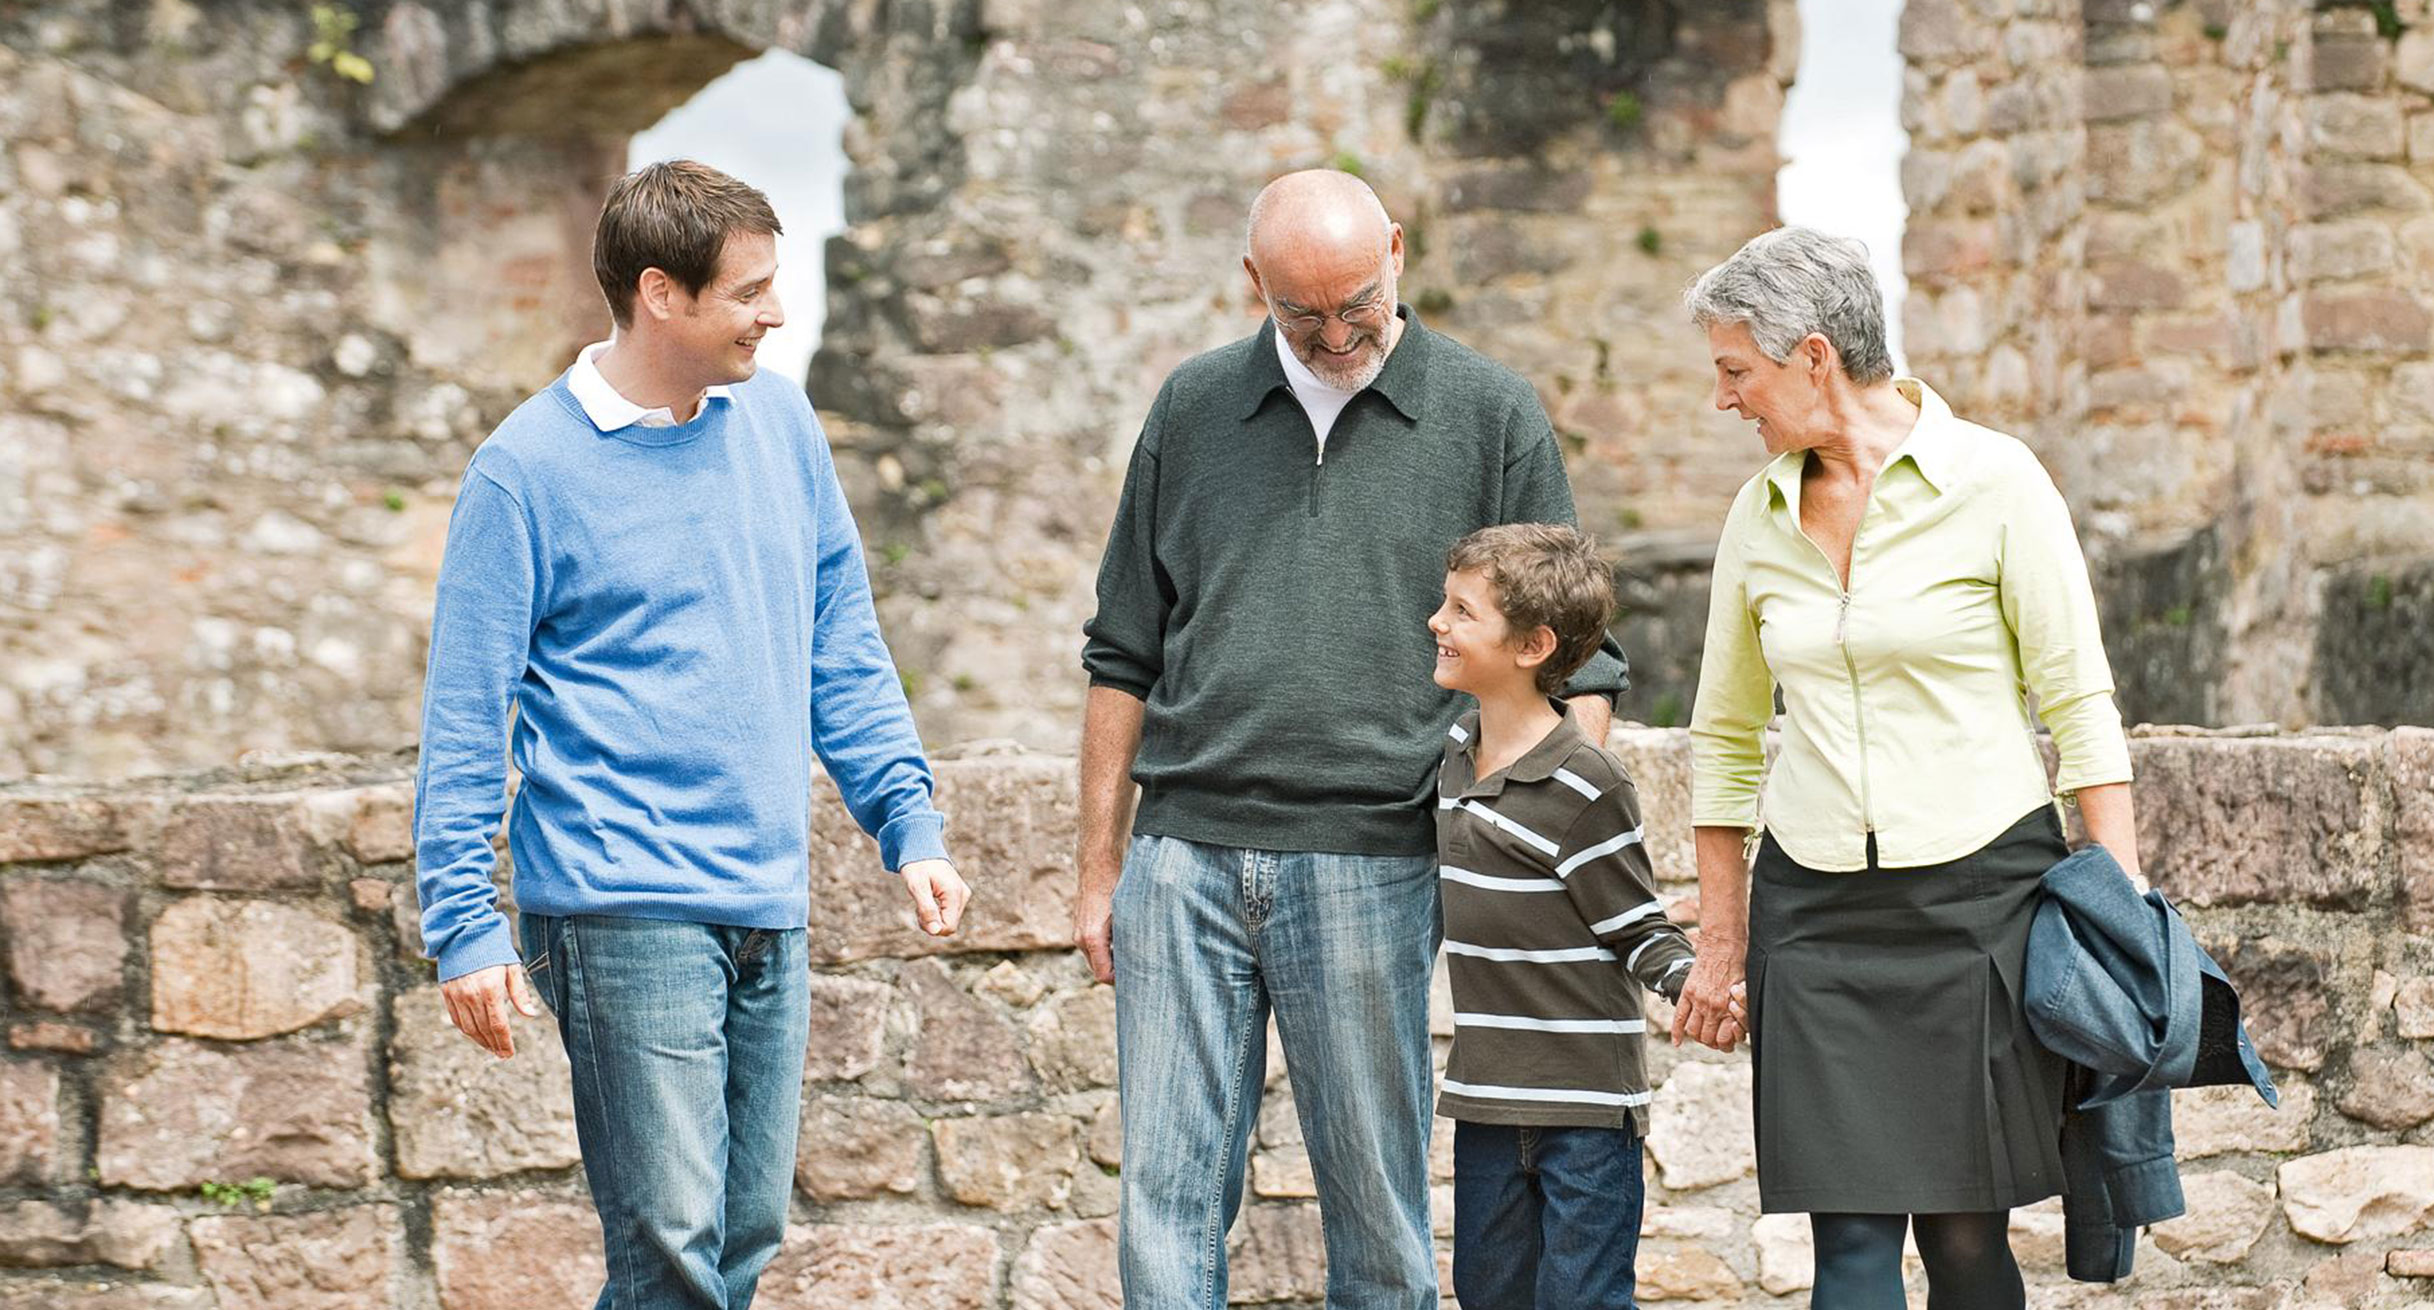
[{"x": 1545, "y": 1218}]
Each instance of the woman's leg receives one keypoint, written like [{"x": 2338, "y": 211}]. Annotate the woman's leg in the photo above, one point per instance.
[
  {"x": 1969, "y": 1262},
  {"x": 1859, "y": 1261}
]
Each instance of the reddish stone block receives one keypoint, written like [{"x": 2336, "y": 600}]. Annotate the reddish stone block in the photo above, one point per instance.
[
  {"x": 67, "y": 942},
  {"x": 29, "y": 1122},
  {"x": 2382, "y": 319},
  {"x": 180, "y": 1113},
  {"x": 243, "y": 969},
  {"x": 59, "y": 828},
  {"x": 239, "y": 843},
  {"x": 1011, "y": 825},
  {"x": 521, "y": 1250},
  {"x": 2289, "y": 820},
  {"x": 917, "y": 1267},
  {"x": 332, "y": 1260}
]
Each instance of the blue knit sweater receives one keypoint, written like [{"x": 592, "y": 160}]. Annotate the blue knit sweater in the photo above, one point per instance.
[{"x": 680, "y": 618}]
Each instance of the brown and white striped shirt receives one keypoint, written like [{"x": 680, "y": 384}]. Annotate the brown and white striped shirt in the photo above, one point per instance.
[{"x": 1552, "y": 927}]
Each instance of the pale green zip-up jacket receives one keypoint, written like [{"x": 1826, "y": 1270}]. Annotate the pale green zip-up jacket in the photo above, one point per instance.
[{"x": 1906, "y": 696}]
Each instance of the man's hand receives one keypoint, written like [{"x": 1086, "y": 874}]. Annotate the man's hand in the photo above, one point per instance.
[
  {"x": 938, "y": 894},
  {"x": 1711, "y": 1006},
  {"x": 1094, "y": 922},
  {"x": 478, "y": 1001}
]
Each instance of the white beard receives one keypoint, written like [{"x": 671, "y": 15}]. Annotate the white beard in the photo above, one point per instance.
[{"x": 1356, "y": 378}]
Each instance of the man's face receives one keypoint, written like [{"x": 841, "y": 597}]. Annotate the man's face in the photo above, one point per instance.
[
  {"x": 720, "y": 330},
  {"x": 1336, "y": 308}
]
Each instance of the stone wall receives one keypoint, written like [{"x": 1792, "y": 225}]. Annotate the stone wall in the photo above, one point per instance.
[
  {"x": 230, "y": 1083},
  {"x": 254, "y": 316},
  {"x": 2181, "y": 249}
]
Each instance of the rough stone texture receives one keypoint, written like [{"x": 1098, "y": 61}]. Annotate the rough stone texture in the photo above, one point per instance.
[
  {"x": 1022, "y": 857},
  {"x": 1069, "y": 1267},
  {"x": 2390, "y": 1088},
  {"x": 2359, "y": 1191},
  {"x": 522, "y": 1250},
  {"x": 1277, "y": 1253},
  {"x": 2227, "y": 1214},
  {"x": 2413, "y": 1008},
  {"x": 37, "y": 827},
  {"x": 92, "y": 1295},
  {"x": 2215, "y": 1120},
  {"x": 2321, "y": 844},
  {"x": 1073, "y": 1040},
  {"x": 29, "y": 1122},
  {"x": 238, "y": 843},
  {"x": 848, "y": 1027},
  {"x": 246, "y": 969},
  {"x": 179, "y": 1114},
  {"x": 854, "y": 1149},
  {"x": 1677, "y": 1271},
  {"x": 1699, "y": 1125},
  {"x": 67, "y": 942},
  {"x": 334, "y": 1260},
  {"x": 964, "y": 1050},
  {"x": 919, "y": 1267},
  {"x": 1787, "y": 1253},
  {"x": 457, "y": 1111},
  {"x": 1008, "y": 1162}
]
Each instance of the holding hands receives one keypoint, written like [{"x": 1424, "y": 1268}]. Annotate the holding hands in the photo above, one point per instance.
[{"x": 1713, "y": 1008}]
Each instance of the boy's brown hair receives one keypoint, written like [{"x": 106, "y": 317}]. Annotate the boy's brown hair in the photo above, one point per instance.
[
  {"x": 1544, "y": 575},
  {"x": 676, "y": 217}
]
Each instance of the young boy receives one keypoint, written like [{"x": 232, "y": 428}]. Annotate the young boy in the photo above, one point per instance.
[{"x": 1552, "y": 928}]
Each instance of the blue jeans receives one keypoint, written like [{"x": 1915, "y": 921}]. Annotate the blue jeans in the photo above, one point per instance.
[
  {"x": 1209, "y": 940},
  {"x": 687, "y": 1046},
  {"x": 1545, "y": 1218}
]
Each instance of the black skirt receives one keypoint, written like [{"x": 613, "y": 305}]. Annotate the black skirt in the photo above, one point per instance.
[{"x": 1895, "y": 1073}]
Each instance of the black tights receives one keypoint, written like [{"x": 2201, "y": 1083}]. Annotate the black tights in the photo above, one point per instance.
[{"x": 1968, "y": 1259}]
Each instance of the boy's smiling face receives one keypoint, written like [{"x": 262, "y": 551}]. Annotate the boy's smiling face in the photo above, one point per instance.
[{"x": 1475, "y": 647}]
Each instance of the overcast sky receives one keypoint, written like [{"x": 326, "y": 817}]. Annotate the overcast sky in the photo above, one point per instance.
[{"x": 777, "y": 121}]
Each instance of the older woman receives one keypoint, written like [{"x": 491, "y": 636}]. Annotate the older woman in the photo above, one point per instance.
[{"x": 1904, "y": 577}]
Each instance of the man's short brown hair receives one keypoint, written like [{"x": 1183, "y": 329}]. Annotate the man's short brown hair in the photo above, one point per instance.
[
  {"x": 675, "y": 217},
  {"x": 1544, "y": 575}
]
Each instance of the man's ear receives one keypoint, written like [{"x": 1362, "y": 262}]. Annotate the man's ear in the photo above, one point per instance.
[
  {"x": 655, "y": 294},
  {"x": 1259, "y": 293}
]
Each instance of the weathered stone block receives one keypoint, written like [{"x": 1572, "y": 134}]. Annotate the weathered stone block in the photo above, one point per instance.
[
  {"x": 2203, "y": 839},
  {"x": 1069, "y": 1267},
  {"x": 2413, "y": 1007},
  {"x": 179, "y": 1114},
  {"x": 1008, "y": 1162},
  {"x": 2227, "y": 1214},
  {"x": 333, "y": 1260},
  {"x": 1277, "y": 1253},
  {"x": 918, "y": 1267},
  {"x": 2409, "y": 1264},
  {"x": 1658, "y": 761},
  {"x": 2335, "y": 187},
  {"x": 963, "y": 1051},
  {"x": 1013, "y": 833},
  {"x": 59, "y": 828},
  {"x": 2217, "y": 1120},
  {"x": 2286, "y": 1008},
  {"x": 2344, "y": 62},
  {"x": 128, "y": 1234},
  {"x": 379, "y": 823},
  {"x": 457, "y": 1111},
  {"x": 2390, "y": 1087},
  {"x": 851, "y": 1149},
  {"x": 1950, "y": 247},
  {"x": 2134, "y": 285},
  {"x": 1073, "y": 1040},
  {"x": 67, "y": 942},
  {"x": 522, "y": 1250},
  {"x": 43, "y": 1035},
  {"x": 1699, "y": 1126},
  {"x": 2359, "y": 1192},
  {"x": 1524, "y": 187},
  {"x": 243, "y": 969},
  {"x": 2322, "y": 252},
  {"x": 1106, "y": 1139},
  {"x": 2127, "y": 91},
  {"x": 1787, "y": 1253},
  {"x": 239, "y": 844},
  {"x": 2361, "y": 127},
  {"x": 1940, "y": 31},
  {"x": 848, "y": 1027},
  {"x": 2410, "y": 757},
  {"x": 2141, "y": 160},
  {"x": 29, "y": 1122},
  {"x": 85, "y": 1294},
  {"x": 1679, "y": 1271},
  {"x": 2382, "y": 319}
]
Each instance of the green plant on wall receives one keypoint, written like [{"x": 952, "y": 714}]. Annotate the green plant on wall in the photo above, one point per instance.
[
  {"x": 256, "y": 1192},
  {"x": 333, "y": 43}
]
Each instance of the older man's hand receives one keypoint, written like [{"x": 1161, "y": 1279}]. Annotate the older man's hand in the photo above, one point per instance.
[{"x": 1711, "y": 1005}]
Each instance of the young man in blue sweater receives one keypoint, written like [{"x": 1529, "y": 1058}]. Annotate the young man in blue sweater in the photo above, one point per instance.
[{"x": 651, "y": 564}]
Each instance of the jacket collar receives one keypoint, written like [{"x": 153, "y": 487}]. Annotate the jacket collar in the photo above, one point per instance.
[
  {"x": 1537, "y": 764},
  {"x": 1403, "y": 382}
]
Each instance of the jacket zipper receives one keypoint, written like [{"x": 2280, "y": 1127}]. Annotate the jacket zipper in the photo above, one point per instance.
[{"x": 1842, "y": 631}]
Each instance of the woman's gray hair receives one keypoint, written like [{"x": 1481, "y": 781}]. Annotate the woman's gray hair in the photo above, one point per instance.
[{"x": 1793, "y": 281}]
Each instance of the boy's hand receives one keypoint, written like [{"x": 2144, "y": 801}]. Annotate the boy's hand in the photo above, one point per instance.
[
  {"x": 938, "y": 893},
  {"x": 477, "y": 1004}
]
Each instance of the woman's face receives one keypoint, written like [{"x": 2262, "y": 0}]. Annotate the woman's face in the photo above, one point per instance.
[{"x": 1779, "y": 398}]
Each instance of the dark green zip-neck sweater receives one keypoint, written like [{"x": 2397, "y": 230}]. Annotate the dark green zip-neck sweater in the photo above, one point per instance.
[{"x": 1271, "y": 608}]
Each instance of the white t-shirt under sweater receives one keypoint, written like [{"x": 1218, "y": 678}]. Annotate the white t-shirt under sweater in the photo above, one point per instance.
[{"x": 1321, "y": 402}]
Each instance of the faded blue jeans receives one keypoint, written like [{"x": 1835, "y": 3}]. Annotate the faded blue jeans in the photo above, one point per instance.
[
  {"x": 1208, "y": 941},
  {"x": 687, "y": 1046}
]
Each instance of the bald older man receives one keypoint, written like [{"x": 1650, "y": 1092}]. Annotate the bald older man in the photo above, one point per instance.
[{"x": 1259, "y": 665}]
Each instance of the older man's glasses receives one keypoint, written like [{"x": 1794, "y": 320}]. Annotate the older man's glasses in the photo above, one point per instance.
[{"x": 1367, "y": 316}]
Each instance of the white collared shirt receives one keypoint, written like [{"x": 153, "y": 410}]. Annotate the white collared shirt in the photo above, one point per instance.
[
  {"x": 607, "y": 408},
  {"x": 1323, "y": 403}
]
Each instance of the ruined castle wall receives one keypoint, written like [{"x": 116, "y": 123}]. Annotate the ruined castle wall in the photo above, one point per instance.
[
  {"x": 255, "y": 316},
  {"x": 2176, "y": 247},
  {"x": 213, "y": 979}
]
